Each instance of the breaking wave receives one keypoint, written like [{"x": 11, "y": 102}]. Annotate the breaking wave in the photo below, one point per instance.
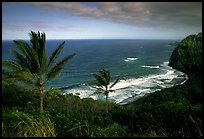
[
  {"x": 130, "y": 59},
  {"x": 129, "y": 90},
  {"x": 151, "y": 67}
]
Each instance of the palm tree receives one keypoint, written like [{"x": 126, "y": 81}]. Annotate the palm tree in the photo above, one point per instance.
[
  {"x": 102, "y": 83},
  {"x": 30, "y": 63}
]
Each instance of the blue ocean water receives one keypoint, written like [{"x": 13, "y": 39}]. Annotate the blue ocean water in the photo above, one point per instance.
[{"x": 140, "y": 66}]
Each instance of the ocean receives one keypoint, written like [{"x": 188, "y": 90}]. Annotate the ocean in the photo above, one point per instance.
[{"x": 140, "y": 65}]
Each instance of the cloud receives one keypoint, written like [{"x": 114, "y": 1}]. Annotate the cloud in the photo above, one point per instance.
[
  {"x": 143, "y": 14},
  {"x": 178, "y": 14},
  {"x": 19, "y": 26},
  {"x": 74, "y": 8},
  {"x": 147, "y": 18}
]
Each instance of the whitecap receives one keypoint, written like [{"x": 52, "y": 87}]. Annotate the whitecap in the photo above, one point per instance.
[
  {"x": 130, "y": 59},
  {"x": 151, "y": 67},
  {"x": 129, "y": 90}
]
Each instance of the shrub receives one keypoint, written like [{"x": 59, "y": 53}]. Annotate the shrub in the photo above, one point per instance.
[
  {"x": 114, "y": 130},
  {"x": 16, "y": 96},
  {"x": 20, "y": 124}
]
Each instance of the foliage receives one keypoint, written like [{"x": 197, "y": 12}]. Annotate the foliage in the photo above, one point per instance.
[
  {"x": 13, "y": 95},
  {"x": 190, "y": 52},
  {"x": 187, "y": 56},
  {"x": 114, "y": 130},
  {"x": 171, "y": 112},
  {"x": 20, "y": 124},
  {"x": 31, "y": 65},
  {"x": 168, "y": 112},
  {"x": 102, "y": 82}
]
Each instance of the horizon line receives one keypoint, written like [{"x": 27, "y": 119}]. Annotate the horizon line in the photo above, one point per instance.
[{"x": 102, "y": 39}]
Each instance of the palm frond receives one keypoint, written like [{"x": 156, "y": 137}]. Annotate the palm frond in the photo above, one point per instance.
[
  {"x": 38, "y": 50},
  {"x": 91, "y": 82},
  {"x": 34, "y": 41},
  {"x": 35, "y": 62},
  {"x": 116, "y": 81},
  {"x": 54, "y": 72},
  {"x": 35, "y": 44},
  {"x": 11, "y": 64},
  {"x": 55, "y": 54},
  {"x": 43, "y": 59},
  {"x": 58, "y": 67},
  {"x": 99, "y": 80},
  {"x": 105, "y": 76},
  {"x": 18, "y": 76},
  {"x": 22, "y": 61},
  {"x": 98, "y": 90},
  {"x": 97, "y": 83},
  {"x": 24, "y": 48}
]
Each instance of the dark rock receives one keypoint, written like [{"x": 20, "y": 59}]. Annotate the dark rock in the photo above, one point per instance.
[{"x": 175, "y": 63}]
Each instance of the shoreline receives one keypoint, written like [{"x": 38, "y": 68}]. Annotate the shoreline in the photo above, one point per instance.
[
  {"x": 136, "y": 88},
  {"x": 138, "y": 100}
]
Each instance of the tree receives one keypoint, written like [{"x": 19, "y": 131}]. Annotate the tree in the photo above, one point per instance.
[
  {"x": 30, "y": 63},
  {"x": 102, "y": 83},
  {"x": 187, "y": 56}
]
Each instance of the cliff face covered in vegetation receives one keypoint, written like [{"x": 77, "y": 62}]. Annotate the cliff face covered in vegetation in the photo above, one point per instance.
[{"x": 187, "y": 56}]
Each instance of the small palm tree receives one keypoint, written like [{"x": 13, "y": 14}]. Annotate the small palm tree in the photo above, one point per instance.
[
  {"x": 102, "y": 83},
  {"x": 31, "y": 65}
]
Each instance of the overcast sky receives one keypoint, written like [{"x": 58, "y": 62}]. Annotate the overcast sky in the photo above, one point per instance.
[{"x": 102, "y": 20}]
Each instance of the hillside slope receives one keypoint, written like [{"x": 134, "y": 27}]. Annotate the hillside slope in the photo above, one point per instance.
[{"x": 187, "y": 56}]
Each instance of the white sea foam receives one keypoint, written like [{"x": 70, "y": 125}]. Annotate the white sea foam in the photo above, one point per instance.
[
  {"x": 152, "y": 67},
  {"x": 130, "y": 59},
  {"x": 126, "y": 91}
]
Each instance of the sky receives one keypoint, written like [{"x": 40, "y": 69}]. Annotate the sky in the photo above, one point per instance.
[{"x": 101, "y": 20}]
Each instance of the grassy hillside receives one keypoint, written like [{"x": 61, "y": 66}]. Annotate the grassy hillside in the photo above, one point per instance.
[{"x": 172, "y": 112}]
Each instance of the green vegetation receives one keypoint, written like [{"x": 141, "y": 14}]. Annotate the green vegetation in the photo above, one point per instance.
[
  {"x": 103, "y": 84},
  {"x": 30, "y": 64},
  {"x": 187, "y": 57},
  {"x": 171, "y": 112},
  {"x": 22, "y": 124}
]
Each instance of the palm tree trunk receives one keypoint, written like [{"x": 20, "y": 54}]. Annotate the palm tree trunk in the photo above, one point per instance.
[
  {"x": 106, "y": 104},
  {"x": 41, "y": 94}
]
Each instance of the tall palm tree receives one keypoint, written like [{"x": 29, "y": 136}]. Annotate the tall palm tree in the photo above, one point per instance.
[
  {"x": 102, "y": 83},
  {"x": 30, "y": 63}
]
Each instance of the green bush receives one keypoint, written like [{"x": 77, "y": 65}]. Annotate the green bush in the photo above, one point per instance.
[
  {"x": 114, "y": 130},
  {"x": 13, "y": 95},
  {"x": 20, "y": 124}
]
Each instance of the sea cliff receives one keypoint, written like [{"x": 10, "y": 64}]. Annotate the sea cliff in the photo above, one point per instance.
[{"x": 187, "y": 56}]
